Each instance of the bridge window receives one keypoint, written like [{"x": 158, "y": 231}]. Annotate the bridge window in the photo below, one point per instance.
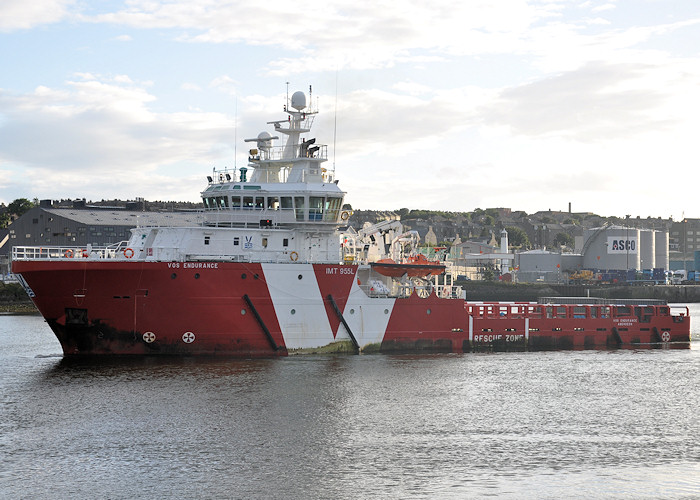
[
  {"x": 332, "y": 208},
  {"x": 236, "y": 202},
  {"x": 273, "y": 203},
  {"x": 315, "y": 208},
  {"x": 299, "y": 207},
  {"x": 259, "y": 202},
  {"x": 286, "y": 203},
  {"x": 248, "y": 202}
]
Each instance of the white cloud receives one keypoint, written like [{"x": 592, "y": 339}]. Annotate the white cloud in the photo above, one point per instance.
[
  {"x": 102, "y": 134},
  {"x": 606, "y": 6},
  {"x": 513, "y": 103},
  {"x": 17, "y": 15}
]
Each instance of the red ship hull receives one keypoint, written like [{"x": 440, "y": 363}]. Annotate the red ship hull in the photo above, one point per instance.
[{"x": 251, "y": 310}]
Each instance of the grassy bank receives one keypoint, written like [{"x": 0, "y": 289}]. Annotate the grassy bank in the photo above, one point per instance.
[{"x": 13, "y": 299}]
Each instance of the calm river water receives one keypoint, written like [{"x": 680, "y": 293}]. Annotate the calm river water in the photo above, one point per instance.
[{"x": 570, "y": 424}]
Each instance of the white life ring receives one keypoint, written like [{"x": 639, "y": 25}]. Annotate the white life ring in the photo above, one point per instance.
[
  {"x": 666, "y": 336},
  {"x": 128, "y": 253},
  {"x": 293, "y": 256}
]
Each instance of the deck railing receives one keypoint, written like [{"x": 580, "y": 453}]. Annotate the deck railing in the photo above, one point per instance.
[{"x": 114, "y": 251}]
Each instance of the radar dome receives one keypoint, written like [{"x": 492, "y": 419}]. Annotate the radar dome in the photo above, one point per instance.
[
  {"x": 264, "y": 136},
  {"x": 298, "y": 100}
]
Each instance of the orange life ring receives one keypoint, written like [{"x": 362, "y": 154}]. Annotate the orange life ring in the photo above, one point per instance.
[
  {"x": 68, "y": 254},
  {"x": 294, "y": 256},
  {"x": 130, "y": 253},
  {"x": 84, "y": 253}
]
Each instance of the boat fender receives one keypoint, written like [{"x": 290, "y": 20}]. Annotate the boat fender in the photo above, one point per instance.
[
  {"x": 293, "y": 256},
  {"x": 345, "y": 215},
  {"x": 128, "y": 253},
  {"x": 68, "y": 254},
  {"x": 657, "y": 337},
  {"x": 84, "y": 253}
]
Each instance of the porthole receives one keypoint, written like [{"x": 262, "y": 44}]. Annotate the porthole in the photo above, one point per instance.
[
  {"x": 386, "y": 311},
  {"x": 352, "y": 311},
  {"x": 428, "y": 311},
  {"x": 242, "y": 312},
  {"x": 196, "y": 276},
  {"x": 300, "y": 276},
  {"x": 173, "y": 276},
  {"x": 293, "y": 311},
  {"x": 243, "y": 276},
  {"x": 256, "y": 276}
]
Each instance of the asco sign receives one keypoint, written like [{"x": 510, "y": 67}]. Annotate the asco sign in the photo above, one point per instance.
[{"x": 622, "y": 245}]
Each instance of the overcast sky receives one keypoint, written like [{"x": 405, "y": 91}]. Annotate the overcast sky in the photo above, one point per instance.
[{"x": 526, "y": 104}]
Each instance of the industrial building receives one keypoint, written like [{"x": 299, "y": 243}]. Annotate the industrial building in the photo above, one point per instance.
[
  {"x": 605, "y": 249},
  {"x": 80, "y": 227}
]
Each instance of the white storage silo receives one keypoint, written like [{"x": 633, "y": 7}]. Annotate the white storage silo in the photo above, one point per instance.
[
  {"x": 613, "y": 247},
  {"x": 647, "y": 257},
  {"x": 661, "y": 250}
]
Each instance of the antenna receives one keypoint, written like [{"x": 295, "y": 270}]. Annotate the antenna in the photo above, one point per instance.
[
  {"x": 335, "y": 118},
  {"x": 235, "y": 136},
  {"x": 286, "y": 106}
]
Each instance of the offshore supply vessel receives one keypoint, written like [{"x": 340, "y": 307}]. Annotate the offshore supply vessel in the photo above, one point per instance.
[{"x": 274, "y": 269}]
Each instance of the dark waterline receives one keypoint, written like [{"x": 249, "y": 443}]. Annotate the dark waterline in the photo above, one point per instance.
[{"x": 562, "y": 424}]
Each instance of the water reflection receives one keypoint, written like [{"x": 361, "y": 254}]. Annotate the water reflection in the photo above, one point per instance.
[{"x": 517, "y": 424}]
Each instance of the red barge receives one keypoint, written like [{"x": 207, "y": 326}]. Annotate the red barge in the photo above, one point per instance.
[{"x": 274, "y": 270}]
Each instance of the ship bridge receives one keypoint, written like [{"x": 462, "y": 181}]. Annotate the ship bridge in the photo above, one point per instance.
[{"x": 288, "y": 186}]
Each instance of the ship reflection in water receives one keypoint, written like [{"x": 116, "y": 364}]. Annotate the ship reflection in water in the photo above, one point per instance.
[{"x": 617, "y": 423}]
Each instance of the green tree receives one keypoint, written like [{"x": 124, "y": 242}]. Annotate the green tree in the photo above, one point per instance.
[
  {"x": 563, "y": 239},
  {"x": 488, "y": 274},
  {"x": 517, "y": 237},
  {"x": 5, "y": 220},
  {"x": 19, "y": 206}
]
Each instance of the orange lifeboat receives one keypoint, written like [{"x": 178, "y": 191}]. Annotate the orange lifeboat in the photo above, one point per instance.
[{"x": 415, "y": 266}]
